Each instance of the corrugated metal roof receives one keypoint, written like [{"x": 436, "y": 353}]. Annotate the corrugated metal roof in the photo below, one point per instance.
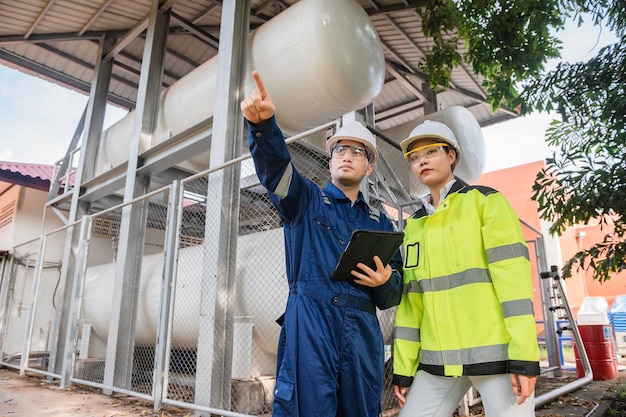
[
  {"x": 38, "y": 171},
  {"x": 35, "y": 176},
  {"x": 57, "y": 40}
]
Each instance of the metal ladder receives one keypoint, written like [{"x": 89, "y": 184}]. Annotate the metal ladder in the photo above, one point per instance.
[{"x": 558, "y": 302}]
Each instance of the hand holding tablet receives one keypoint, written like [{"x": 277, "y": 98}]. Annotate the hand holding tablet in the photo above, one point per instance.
[{"x": 363, "y": 246}]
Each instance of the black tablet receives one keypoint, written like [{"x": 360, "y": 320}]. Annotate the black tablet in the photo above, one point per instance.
[{"x": 363, "y": 246}]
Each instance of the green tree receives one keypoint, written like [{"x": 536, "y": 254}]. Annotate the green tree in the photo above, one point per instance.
[
  {"x": 585, "y": 179},
  {"x": 508, "y": 42},
  {"x": 505, "y": 41}
]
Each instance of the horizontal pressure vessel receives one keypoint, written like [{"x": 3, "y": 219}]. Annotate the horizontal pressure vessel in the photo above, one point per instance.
[
  {"x": 261, "y": 294},
  {"x": 319, "y": 59},
  {"x": 260, "y": 298}
]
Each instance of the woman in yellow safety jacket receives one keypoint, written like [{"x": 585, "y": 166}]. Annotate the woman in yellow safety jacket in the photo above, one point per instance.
[{"x": 466, "y": 315}]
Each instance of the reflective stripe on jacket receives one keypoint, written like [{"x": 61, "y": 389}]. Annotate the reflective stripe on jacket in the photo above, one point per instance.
[{"x": 467, "y": 306}]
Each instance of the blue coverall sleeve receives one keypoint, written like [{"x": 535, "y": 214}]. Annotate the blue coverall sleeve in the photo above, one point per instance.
[{"x": 287, "y": 188}]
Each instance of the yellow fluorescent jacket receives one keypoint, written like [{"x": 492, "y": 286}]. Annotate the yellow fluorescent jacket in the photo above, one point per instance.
[{"x": 467, "y": 306}]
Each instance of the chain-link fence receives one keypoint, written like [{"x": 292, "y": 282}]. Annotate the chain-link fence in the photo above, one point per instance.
[
  {"x": 46, "y": 313},
  {"x": 121, "y": 296},
  {"x": 173, "y": 297},
  {"x": 18, "y": 298}
]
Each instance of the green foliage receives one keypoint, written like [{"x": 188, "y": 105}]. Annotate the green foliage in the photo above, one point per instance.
[
  {"x": 505, "y": 41},
  {"x": 585, "y": 180},
  {"x": 616, "y": 399},
  {"x": 508, "y": 42}
]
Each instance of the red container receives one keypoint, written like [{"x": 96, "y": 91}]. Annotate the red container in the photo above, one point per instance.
[{"x": 600, "y": 347}]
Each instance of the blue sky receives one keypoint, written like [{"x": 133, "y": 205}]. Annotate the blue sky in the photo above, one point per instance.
[{"x": 38, "y": 118}]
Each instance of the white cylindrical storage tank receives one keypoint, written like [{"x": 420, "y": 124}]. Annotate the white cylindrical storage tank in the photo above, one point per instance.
[
  {"x": 116, "y": 150},
  {"x": 319, "y": 59},
  {"x": 262, "y": 308},
  {"x": 98, "y": 296}
]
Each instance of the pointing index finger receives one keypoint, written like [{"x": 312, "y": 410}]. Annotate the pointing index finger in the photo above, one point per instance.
[{"x": 259, "y": 83}]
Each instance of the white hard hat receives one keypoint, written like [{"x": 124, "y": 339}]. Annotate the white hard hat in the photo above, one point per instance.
[
  {"x": 357, "y": 132},
  {"x": 431, "y": 129}
]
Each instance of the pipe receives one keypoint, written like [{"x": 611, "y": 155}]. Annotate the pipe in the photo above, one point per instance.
[{"x": 584, "y": 359}]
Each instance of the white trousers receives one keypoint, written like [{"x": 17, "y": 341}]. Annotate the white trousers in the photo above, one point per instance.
[{"x": 439, "y": 396}]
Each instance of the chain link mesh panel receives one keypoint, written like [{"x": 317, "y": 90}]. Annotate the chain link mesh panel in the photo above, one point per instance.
[
  {"x": 228, "y": 288},
  {"x": 392, "y": 187},
  {"x": 16, "y": 305},
  {"x": 121, "y": 295},
  {"x": 49, "y": 302},
  {"x": 222, "y": 336}
]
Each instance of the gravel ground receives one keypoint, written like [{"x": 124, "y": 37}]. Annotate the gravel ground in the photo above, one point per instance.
[{"x": 585, "y": 401}]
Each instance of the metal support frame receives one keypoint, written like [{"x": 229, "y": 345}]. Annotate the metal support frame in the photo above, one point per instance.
[
  {"x": 31, "y": 309},
  {"x": 215, "y": 356},
  {"x": 368, "y": 119},
  {"x": 545, "y": 286},
  {"x": 6, "y": 279},
  {"x": 161, "y": 363},
  {"x": 94, "y": 119},
  {"x": 67, "y": 160},
  {"x": 431, "y": 105},
  {"x": 554, "y": 361},
  {"x": 121, "y": 337},
  {"x": 79, "y": 272}
]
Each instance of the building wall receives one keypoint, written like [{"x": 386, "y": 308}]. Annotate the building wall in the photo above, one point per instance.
[
  {"x": 9, "y": 202},
  {"x": 582, "y": 284},
  {"x": 22, "y": 240},
  {"x": 30, "y": 216},
  {"x": 26, "y": 208}
]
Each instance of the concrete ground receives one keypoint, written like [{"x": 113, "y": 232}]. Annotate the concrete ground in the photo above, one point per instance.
[
  {"x": 33, "y": 396},
  {"x": 587, "y": 401}
]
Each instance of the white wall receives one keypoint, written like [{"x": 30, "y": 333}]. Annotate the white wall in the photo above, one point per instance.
[{"x": 8, "y": 208}]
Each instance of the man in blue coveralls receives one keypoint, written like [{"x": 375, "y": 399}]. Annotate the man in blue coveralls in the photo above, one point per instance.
[{"x": 330, "y": 353}]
